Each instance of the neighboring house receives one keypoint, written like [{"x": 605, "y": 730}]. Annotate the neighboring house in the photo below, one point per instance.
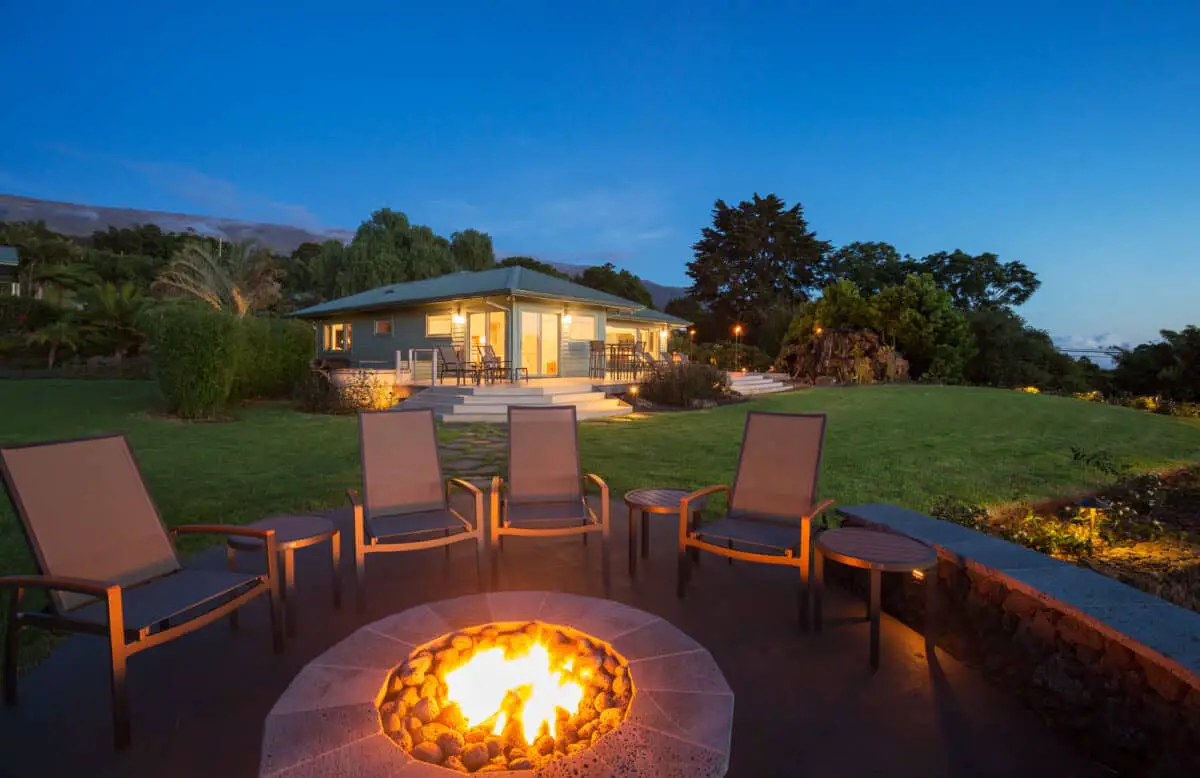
[
  {"x": 9, "y": 260},
  {"x": 540, "y": 322}
]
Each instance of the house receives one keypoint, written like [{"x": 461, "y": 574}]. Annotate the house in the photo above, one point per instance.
[
  {"x": 542, "y": 323},
  {"x": 10, "y": 259}
]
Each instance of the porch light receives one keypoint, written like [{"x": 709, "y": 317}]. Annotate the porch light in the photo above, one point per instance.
[
  {"x": 482, "y": 340},
  {"x": 918, "y": 575},
  {"x": 458, "y": 318},
  {"x": 567, "y": 319}
]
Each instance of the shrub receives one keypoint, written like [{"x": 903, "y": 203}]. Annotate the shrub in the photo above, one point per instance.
[
  {"x": 351, "y": 391},
  {"x": 26, "y": 314},
  {"x": 195, "y": 357},
  {"x": 734, "y": 356},
  {"x": 681, "y": 385},
  {"x": 273, "y": 357}
]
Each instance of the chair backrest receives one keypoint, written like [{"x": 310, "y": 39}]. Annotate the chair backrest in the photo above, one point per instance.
[
  {"x": 86, "y": 513},
  {"x": 543, "y": 454},
  {"x": 449, "y": 356},
  {"x": 779, "y": 465},
  {"x": 489, "y": 355},
  {"x": 402, "y": 470}
]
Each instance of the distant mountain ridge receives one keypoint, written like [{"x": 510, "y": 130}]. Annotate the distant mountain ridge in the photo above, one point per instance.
[{"x": 82, "y": 220}]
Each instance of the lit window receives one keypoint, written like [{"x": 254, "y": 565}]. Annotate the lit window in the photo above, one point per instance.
[
  {"x": 582, "y": 328},
  {"x": 337, "y": 336},
  {"x": 383, "y": 327},
  {"x": 438, "y": 325}
]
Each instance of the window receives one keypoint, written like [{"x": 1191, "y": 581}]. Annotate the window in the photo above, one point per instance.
[
  {"x": 383, "y": 327},
  {"x": 336, "y": 336},
  {"x": 582, "y": 328},
  {"x": 437, "y": 325}
]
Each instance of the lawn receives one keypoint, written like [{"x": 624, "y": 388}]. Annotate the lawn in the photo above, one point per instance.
[{"x": 909, "y": 445}]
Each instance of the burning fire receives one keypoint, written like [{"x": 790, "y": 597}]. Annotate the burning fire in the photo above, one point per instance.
[{"x": 486, "y": 685}]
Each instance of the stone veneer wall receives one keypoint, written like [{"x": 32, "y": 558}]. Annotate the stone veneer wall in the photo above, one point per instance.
[{"x": 1127, "y": 705}]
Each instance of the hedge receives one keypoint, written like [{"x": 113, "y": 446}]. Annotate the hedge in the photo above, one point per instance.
[
  {"x": 195, "y": 353},
  {"x": 273, "y": 357}
]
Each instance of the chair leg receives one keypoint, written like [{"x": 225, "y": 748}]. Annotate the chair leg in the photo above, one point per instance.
[
  {"x": 120, "y": 693},
  {"x": 12, "y": 643},
  {"x": 289, "y": 590},
  {"x": 231, "y": 563},
  {"x": 606, "y": 568},
  {"x": 729, "y": 558},
  {"x": 931, "y": 604},
  {"x": 360, "y": 580},
  {"x": 335, "y": 543},
  {"x": 816, "y": 591},
  {"x": 632, "y": 547},
  {"x": 447, "y": 547}
]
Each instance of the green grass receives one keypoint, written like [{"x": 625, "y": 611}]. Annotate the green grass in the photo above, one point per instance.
[{"x": 909, "y": 445}]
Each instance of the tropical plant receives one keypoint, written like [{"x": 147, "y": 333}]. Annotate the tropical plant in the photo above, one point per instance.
[
  {"x": 64, "y": 333},
  {"x": 112, "y": 312},
  {"x": 685, "y": 384},
  {"x": 239, "y": 279}
]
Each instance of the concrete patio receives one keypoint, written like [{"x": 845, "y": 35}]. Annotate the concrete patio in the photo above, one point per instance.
[{"x": 805, "y": 705}]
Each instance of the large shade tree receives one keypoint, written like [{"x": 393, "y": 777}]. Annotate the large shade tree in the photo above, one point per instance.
[
  {"x": 388, "y": 249},
  {"x": 472, "y": 250},
  {"x": 981, "y": 281},
  {"x": 757, "y": 257},
  {"x": 871, "y": 266},
  {"x": 533, "y": 264},
  {"x": 622, "y": 283}
]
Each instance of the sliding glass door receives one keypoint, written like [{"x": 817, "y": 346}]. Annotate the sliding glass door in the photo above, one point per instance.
[
  {"x": 487, "y": 329},
  {"x": 541, "y": 335}
]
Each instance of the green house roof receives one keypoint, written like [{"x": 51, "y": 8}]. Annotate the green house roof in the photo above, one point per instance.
[
  {"x": 9, "y": 256},
  {"x": 648, "y": 314},
  {"x": 517, "y": 280}
]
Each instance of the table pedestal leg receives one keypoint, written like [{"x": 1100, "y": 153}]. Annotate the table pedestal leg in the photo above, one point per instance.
[
  {"x": 645, "y": 535},
  {"x": 231, "y": 563},
  {"x": 931, "y": 577},
  {"x": 816, "y": 591},
  {"x": 632, "y": 545},
  {"x": 289, "y": 589},
  {"x": 336, "y": 543},
  {"x": 873, "y": 610}
]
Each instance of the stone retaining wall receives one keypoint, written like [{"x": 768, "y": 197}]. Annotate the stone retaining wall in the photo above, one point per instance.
[{"x": 1083, "y": 659}]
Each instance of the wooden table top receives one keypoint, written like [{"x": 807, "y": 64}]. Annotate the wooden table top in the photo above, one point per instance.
[
  {"x": 662, "y": 499},
  {"x": 874, "y": 549},
  {"x": 290, "y": 531}
]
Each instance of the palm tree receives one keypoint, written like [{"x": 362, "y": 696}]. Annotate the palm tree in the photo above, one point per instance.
[
  {"x": 113, "y": 310},
  {"x": 240, "y": 279},
  {"x": 61, "y": 282},
  {"x": 64, "y": 332}
]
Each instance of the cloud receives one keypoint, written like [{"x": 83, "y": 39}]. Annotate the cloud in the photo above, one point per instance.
[{"x": 217, "y": 194}]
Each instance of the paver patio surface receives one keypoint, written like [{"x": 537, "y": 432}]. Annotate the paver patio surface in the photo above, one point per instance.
[{"x": 805, "y": 705}]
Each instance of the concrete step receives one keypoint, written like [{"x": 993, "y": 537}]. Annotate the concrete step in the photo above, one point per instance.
[
  {"x": 502, "y": 410},
  {"x": 530, "y": 399},
  {"x": 502, "y": 418}
]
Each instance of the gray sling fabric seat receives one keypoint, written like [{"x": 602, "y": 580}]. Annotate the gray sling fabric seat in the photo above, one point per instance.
[
  {"x": 405, "y": 502},
  {"x": 108, "y": 562},
  {"x": 545, "y": 494},
  {"x": 772, "y": 503}
]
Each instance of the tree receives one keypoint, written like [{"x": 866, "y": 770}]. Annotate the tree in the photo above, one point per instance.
[
  {"x": 388, "y": 249},
  {"x": 59, "y": 334},
  {"x": 39, "y": 246},
  {"x": 870, "y": 266},
  {"x": 112, "y": 311},
  {"x": 241, "y": 279},
  {"x": 841, "y": 307},
  {"x": 60, "y": 283},
  {"x": 755, "y": 256},
  {"x": 313, "y": 272},
  {"x": 141, "y": 239},
  {"x": 981, "y": 281},
  {"x": 111, "y": 267},
  {"x": 606, "y": 278},
  {"x": 472, "y": 250},
  {"x": 1170, "y": 367},
  {"x": 920, "y": 320},
  {"x": 532, "y": 264}
]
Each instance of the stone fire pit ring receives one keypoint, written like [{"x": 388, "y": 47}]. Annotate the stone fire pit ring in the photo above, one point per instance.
[{"x": 679, "y": 723}]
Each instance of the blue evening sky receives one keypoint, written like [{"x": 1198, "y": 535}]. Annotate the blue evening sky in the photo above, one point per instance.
[{"x": 1062, "y": 133}]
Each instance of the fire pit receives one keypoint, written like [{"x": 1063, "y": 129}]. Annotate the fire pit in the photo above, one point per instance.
[
  {"x": 553, "y": 684},
  {"x": 507, "y": 696}
]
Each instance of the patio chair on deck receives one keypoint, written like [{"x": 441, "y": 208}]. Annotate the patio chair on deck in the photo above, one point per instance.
[
  {"x": 108, "y": 563},
  {"x": 496, "y": 367},
  {"x": 450, "y": 362},
  {"x": 545, "y": 495},
  {"x": 405, "y": 503},
  {"x": 772, "y": 503}
]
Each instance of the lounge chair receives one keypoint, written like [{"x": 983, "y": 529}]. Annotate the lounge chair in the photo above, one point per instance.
[
  {"x": 405, "y": 503},
  {"x": 772, "y": 503},
  {"x": 108, "y": 562},
  {"x": 450, "y": 362},
  {"x": 495, "y": 368},
  {"x": 546, "y": 494}
]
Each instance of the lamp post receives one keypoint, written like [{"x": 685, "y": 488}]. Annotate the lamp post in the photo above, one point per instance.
[
  {"x": 737, "y": 346},
  {"x": 691, "y": 343}
]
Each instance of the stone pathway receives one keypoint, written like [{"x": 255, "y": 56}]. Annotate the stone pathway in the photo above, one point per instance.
[{"x": 475, "y": 452}]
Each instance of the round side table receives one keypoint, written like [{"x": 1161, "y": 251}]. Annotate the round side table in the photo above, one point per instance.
[
  {"x": 646, "y": 501},
  {"x": 878, "y": 553},
  {"x": 291, "y": 533}
]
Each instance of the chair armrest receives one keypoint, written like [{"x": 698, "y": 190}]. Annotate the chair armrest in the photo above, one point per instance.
[
  {"x": 58, "y": 583},
  {"x": 497, "y": 485},
  {"x": 819, "y": 508},
  {"x": 706, "y": 491},
  {"x": 223, "y": 529},
  {"x": 597, "y": 480},
  {"x": 355, "y": 500},
  {"x": 464, "y": 485}
]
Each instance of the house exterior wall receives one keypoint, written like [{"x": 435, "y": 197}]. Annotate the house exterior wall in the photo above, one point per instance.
[{"x": 379, "y": 351}]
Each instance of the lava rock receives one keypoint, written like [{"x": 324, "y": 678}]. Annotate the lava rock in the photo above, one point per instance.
[
  {"x": 427, "y": 752},
  {"x": 520, "y": 764},
  {"x": 611, "y": 664},
  {"x": 462, "y": 642},
  {"x": 452, "y": 717},
  {"x": 476, "y": 735},
  {"x": 429, "y": 688},
  {"x": 575, "y": 748},
  {"x": 451, "y": 742},
  {"x": 432, "y": 732},
  {"x": 393, "y": 722},
  {"x": 610, "y": 717},
  {"x": 603, "y": 700},
  {"x": 426, "y": 709},
  {"x": 403, "y": 739},
  {"x": 495, "y": 746},
  {"x": 454, "y": 763},
  {"x": 544, "y": 745},
  {"x": 413, "y": 724},
  {"x": 410, "y": 696},
  {"x": 586, "y": 731},
  {"x": 475, "y": 756},
  {"x": 620, "y": 685}
]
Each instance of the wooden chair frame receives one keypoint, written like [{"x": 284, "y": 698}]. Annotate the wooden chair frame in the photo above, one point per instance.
[
  {"x": 123, "y": 642},
  {"x": 365, "y": 544},
  {"x": 690, "y": 543}
]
